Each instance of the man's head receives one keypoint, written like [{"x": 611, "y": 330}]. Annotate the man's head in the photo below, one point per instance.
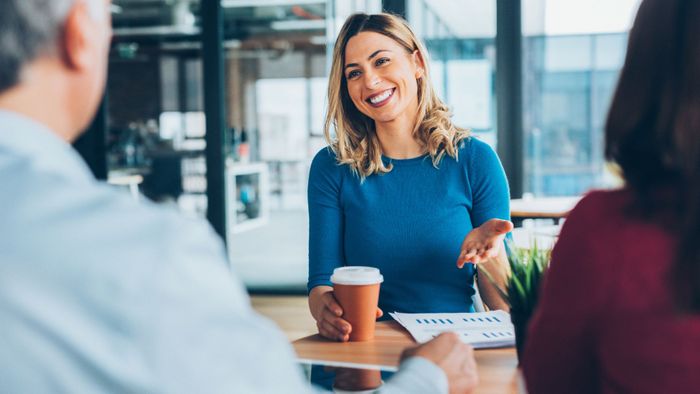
[{"x": 54, "y": 52}]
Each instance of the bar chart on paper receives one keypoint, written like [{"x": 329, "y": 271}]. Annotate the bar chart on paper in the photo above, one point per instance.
[{"x": 481, "y": 330}]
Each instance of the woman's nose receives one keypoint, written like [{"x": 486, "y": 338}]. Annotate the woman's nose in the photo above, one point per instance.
[{"x": 371, "y": 80}]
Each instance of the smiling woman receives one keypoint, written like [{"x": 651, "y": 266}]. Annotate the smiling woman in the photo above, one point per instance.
[
  {"x": 376, "y": 58},
  {"x": 400, "y": 187}
]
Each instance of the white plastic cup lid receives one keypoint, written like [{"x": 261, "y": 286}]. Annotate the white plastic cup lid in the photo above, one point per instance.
[{"x": 356, "y": 275}]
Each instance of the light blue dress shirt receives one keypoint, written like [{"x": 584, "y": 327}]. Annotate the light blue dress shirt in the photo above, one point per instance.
[{"x": 100, "y": 293}]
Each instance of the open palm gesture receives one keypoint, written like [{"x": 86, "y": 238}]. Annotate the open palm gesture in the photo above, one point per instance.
[{"x": 483, "y": 242}]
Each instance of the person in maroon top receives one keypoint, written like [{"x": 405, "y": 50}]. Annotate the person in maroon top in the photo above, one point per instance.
[{"x": 620, "y": 307}]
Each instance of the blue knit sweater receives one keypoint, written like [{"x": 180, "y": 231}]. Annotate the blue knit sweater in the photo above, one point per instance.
[{"x": 409, "y": 223}]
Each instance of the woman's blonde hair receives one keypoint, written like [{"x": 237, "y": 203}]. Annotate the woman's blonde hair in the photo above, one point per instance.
[{"x": 355, "y": 142}]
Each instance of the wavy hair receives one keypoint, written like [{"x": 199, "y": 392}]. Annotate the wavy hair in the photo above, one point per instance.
[
  {"x": 355, "y": 142},
  {"x": 653, "y": 131}
]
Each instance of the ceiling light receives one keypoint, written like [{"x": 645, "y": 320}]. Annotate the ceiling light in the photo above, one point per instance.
[
  {"x": 299, "y": 24},
  {"x": 266, "y": 3}
]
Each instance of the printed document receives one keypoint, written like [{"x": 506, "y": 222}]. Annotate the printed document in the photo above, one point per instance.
[{"x": 481, "y": 330}]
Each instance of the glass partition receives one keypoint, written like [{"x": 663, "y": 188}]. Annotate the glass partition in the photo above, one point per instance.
[
  {"x": 156, "y": 122},
  {"x": 276, "y": 97},
  {"x": 276, "y": 59},
  {"x": 460, "y": 37},
  {"x": 571, "y": 60}
]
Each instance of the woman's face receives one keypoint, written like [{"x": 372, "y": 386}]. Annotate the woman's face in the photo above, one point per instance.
[{"x": 381, "y": 77}]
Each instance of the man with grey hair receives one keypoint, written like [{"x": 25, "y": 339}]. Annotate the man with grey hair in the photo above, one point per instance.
[{"x": 100, "y": 293}]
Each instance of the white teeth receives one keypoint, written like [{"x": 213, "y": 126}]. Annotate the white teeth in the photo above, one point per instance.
[{"x": 380, "y": 97}]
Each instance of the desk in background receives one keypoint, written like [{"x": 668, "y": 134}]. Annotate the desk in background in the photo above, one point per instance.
[
  {"x": 555, "y": 208},
  {"x": 542, "y": 236},
  {"x": 498, "y": 371},
  {"x": 125, "y": 179}
]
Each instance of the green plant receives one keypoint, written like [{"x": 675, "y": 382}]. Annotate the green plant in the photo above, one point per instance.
[{"x": 527, "y": 268}]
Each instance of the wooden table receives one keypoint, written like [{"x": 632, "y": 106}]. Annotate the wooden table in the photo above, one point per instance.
[
  {"x": 498, "y": 371},
  {"x": 542, "y": 208}
]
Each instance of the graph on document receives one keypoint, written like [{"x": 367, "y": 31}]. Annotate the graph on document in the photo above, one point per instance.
[{"x": 482, "y": 329}]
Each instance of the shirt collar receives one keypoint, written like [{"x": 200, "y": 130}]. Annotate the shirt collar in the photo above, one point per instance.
[{"x": 25, "y": 137}]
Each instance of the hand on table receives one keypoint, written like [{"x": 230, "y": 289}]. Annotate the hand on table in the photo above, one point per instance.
[
  {"x": 328, "y": 314},
  {"x": 483, "y": 242},
  {"x": 454, "y": 357}
]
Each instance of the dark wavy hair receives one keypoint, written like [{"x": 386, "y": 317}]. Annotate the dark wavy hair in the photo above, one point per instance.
[{"x": 653, "y": 131}]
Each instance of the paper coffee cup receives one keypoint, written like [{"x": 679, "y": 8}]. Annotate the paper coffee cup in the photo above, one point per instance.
[
  {"x": 357, "y": 291},
  {"x": 357, "y": 381}
]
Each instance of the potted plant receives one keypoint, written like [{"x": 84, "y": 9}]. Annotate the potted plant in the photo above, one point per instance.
[{"x": 528, "y": 267}]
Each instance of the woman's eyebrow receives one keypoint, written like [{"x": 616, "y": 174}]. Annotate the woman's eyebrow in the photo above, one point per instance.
[{"x": 375, "y": 53}]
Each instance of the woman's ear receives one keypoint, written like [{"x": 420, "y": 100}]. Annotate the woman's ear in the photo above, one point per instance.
[{"x": 419, "y": 63}]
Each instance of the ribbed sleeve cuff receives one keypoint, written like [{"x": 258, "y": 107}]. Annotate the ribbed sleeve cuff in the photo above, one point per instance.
[{"x": 318, "y": 282}]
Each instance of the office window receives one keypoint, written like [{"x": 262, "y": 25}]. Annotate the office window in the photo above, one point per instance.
[
  {"x": 155, "y": 136},
  {"x": 276, "y": 102},
  {"x": 462, "y": 58},
  {"x": 572, "y": 54}
]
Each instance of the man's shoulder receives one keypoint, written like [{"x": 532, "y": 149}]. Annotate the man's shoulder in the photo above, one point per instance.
[
  {"x": 94, "y": 218},
  {"x": 159, "y": 224}
]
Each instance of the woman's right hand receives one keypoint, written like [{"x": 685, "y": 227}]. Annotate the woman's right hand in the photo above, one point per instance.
[{"x": 327, "y": 313}]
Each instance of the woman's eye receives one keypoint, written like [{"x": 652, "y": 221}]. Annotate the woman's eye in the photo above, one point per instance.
[
  {"x": 352, "y": 74},
  {"x": 381, "y": 61}
]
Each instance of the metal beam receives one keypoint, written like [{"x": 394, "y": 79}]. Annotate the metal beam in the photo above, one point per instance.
[
  {"x": 509, "y": 92},
  {"x": 213, "y": 64},
  {"x": 396, "y": 7}
]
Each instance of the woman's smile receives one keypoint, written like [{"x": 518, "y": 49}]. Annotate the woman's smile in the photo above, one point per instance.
[{"x": 382, "y": 98}]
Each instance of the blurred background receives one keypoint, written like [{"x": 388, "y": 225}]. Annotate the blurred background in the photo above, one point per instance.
[{"x": 217, "y": 107}]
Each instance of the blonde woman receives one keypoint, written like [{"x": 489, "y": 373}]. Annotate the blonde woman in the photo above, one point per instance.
[{"x": 400, "y": 187}]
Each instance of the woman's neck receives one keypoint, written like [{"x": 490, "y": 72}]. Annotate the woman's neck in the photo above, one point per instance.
[{"x": 397, "y": 140}]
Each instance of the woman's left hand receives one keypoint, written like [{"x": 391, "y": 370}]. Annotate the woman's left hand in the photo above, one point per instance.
[{"x": 483, "y": 242}]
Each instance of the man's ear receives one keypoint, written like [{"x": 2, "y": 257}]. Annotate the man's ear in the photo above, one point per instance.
[
  {"x": 420, "y": 64},
  {"x": 77, "y": 42}
]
